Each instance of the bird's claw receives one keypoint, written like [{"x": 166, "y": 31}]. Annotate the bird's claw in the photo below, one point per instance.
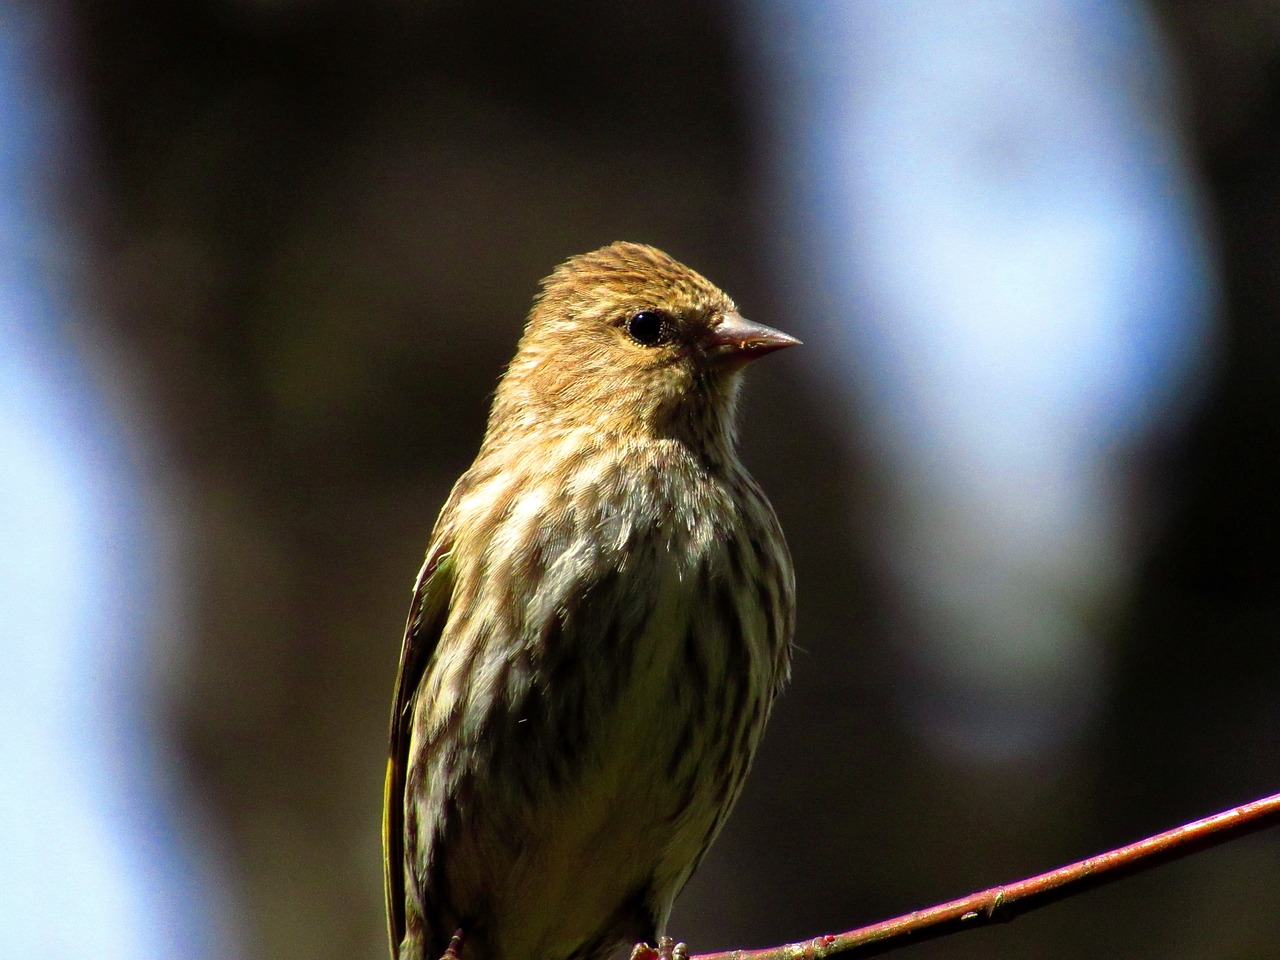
[
  {"x": 454, "y": 950},
  {"x": 667, "y": 949}
]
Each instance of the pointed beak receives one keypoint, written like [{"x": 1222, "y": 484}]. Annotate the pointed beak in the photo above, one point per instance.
[{"x": 736, "y": 340}]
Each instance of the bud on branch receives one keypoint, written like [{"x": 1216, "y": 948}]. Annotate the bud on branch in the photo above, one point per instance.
[{"x": 1003, "y": 903}]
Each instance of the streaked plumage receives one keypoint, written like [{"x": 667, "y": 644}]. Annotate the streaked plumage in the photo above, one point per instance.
[{"x": 597, "y": 635}]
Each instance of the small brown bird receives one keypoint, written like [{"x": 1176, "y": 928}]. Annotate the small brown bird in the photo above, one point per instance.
[{"x": 598, "y": 633}]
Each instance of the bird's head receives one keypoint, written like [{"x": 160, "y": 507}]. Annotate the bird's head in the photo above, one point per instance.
[{"x": 625, "y": 338}]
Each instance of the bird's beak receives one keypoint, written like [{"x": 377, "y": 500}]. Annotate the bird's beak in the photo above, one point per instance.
[{"x": 736, "y": 340}]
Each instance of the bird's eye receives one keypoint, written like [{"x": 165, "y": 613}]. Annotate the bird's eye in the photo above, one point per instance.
[{"x": 650, "y": 328}]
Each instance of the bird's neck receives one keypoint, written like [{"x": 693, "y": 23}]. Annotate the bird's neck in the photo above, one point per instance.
[{"x": 705, "y": 425}]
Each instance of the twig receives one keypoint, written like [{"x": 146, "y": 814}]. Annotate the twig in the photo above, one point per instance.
[{"x": 1003, "y": 903}]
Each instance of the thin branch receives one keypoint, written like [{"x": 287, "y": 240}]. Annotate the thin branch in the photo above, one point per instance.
[{"x": 1003, "y": 903}]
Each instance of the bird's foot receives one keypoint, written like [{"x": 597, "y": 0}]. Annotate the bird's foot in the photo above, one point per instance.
[
  {"x": 454, "y": 950},
  {"x": 667, "y": 949}
]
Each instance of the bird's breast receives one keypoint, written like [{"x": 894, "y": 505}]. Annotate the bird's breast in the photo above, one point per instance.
[{"x": 630, "y": 657}]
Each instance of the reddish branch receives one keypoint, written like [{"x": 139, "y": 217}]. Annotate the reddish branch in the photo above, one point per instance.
[{"x": 1003, "y": 903}]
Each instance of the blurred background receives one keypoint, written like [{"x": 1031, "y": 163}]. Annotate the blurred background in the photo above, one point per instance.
[{"x": 263, "y": 261}]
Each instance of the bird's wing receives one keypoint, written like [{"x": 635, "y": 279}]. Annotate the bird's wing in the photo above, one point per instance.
[{"x": 427, "y": 615}]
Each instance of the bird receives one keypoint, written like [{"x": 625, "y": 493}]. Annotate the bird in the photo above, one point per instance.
[{"x": 598, "y": 633}]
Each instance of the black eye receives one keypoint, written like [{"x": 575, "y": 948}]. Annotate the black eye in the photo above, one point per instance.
[{"x": 650, "y": 328}]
